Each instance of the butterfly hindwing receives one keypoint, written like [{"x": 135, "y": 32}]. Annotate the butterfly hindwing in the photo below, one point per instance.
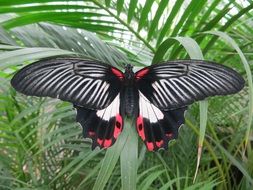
[
  {"x": 156, "y": 127},
  {"x": 102, "y": 126},
  {"x": 86, "y": 83},
  {"x": 175, "y": 84}
]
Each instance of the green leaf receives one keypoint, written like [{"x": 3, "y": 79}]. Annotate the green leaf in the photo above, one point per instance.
[
  {"x": 144, "y": 14},
  {"x": 131, "y": 10},
  {"x": 194, "y": 51},
  {"x": 184, "y": 17},
  {"x": 46, "y": 16},
  {"x": 232, "y": 43},
  {"x": 129, "y": 158},
  {"x": 43, "y": 8},
  {"x": 154, "y": 24},
  {"x": 227, "y": 25},
  {"x": 235, "y": 162},
  {"x": 120, "y": 4},
  {"x": 189, "y": 24},
  {"x": 167, "y": 26},
  {"x": 15, "y": 57},
  {"x": 107, "y": 2},
  {"x": 146, "y": 183},
  {"x": 110, "y": 160}
]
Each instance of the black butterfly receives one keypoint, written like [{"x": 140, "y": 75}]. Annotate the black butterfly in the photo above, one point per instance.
[{"x": 156, "y": 96}]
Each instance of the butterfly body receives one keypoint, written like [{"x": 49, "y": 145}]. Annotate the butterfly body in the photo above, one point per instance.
[
  {"x": 129, "y": 93},
  {"x": 156, "y": 96}
]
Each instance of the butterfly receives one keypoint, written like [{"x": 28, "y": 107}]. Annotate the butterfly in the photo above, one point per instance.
[{"x": 156, "y": 96}]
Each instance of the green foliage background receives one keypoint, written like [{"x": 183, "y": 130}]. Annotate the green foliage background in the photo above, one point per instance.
[{"x": 41, "y": 145}]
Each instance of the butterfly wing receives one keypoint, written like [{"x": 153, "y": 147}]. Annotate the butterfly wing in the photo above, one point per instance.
[
  {"x": 179, "y": 83},
  {"x": 86, "y": 83},
  {"x": 102, "y": 126},
  {"x": 156, "y": 127},
  {"x": 166, "y": 89}
]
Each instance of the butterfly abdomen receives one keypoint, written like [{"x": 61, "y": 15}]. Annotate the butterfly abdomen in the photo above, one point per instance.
[{"x": 130, "y": 99}]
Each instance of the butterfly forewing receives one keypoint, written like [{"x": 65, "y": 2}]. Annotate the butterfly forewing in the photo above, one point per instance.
[
  {"x": 176, "y": 84},
  {"x": 83, "y": 82}
]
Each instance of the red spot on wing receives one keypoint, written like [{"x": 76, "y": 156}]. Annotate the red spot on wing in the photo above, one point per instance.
[
  {"x": 107, "y": 143},
  {"x": 91, "y": 133},
  {"x": 140, "y": 127},
  {"x": 159, "y": 143},
  {"x": 141, "y": 73},
  {"x": 169, "y": 135},
  {"x": 118, "y": 126},
  {"x": 150, "y": 146},
  {"x": 117, "y": 72},
  {"x": 100, "y": 141}
]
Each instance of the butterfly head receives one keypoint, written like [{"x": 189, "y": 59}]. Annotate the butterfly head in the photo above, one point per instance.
[{"x": 129, "y": 74}]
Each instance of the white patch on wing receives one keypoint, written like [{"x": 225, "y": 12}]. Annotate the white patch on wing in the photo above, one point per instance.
[
  {"x": 148, "y": 110},
  {"x": 111, "y": 111}
]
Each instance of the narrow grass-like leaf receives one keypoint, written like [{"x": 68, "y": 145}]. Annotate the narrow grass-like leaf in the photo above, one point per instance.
[
  {"x": 131, "y": 10},
  {"x": 148, "y": 170},
  {"x": 154, "y": 24},
  {"x": 227, "y": 25},
  {"x": 74, "y": 162},
  {"x": 235, "y": 162},
  {"x": 146, "y": 183},
  {"x": 42, "y": 8},
  {"x": 107, "y": 2},
  {"x": 10, "y": 58},
  {"x": 111, "y": 158},
  {"x": 208, "y": 13},
  {"x": 46, "y": 16},
  {"x": 170, "y": 183},
  {"x": 81, "y": 186},
  {"x": 120, "y": 4},
  {"x": 232, "y": 43},
  {"x": 184, "y": 17},
  {"x": 129, "y": 159},
  {"x": 194, "y": 51},
  {"x": 167, "y": 26},
  {"x": 144, "y": 14},
  {"x": 206, "y": 185},
  {"x": 191, "y": 19}
]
